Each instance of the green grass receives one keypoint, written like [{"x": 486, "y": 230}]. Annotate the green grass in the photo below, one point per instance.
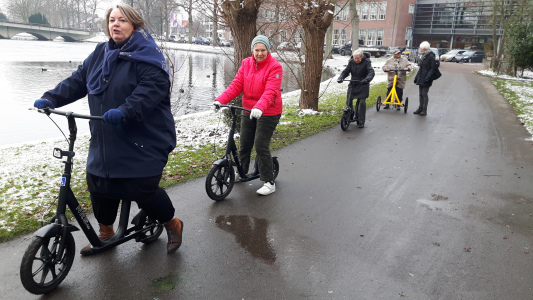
[{"x": 182, "y": 166}]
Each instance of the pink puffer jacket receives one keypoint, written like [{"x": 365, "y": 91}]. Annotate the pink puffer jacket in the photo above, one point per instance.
[{"x": 260, "y": 84}]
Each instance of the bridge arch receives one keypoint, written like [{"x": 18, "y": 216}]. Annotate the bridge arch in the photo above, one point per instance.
[{"x": 40, "y": 37}]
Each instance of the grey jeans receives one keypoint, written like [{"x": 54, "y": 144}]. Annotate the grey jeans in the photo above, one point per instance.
[
  {"x": 423, "y": 96},
  {"x": 258, "y": 132}
]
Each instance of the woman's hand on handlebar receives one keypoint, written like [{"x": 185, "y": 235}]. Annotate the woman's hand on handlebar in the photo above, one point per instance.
[
  {"x": 216, "y": 106},
  {"x": 43, "y": 103},
  {"x": 113, "y": 116},
  {"x": 256, "y": 113}
]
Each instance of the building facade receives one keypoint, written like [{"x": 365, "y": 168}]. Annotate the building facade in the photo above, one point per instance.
[{"x": 461, "y": 24}]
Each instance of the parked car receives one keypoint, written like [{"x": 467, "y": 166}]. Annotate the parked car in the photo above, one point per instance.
[
  {"x": 470, "y": 56},
  {"x": 286, "y": 46},
  {"x": 202, "y": 41},
  {"x": 182, "y": 39},
  {"x": 450, "y": 55},
  {"x": 223, "y": 43}
]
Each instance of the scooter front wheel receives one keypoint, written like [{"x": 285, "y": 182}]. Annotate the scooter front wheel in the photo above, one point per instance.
[
  {"x": 41, "y": 270},
  {"x": 154, "y": 230},
  {"x": 219, "y": 181},
  {"x": 345, "y": 119}
]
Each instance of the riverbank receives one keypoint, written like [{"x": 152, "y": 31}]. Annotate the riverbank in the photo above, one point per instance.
[{"x": 29, "y": 175}]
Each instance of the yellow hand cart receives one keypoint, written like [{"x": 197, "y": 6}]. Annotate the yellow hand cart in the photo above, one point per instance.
[{"x": 392, "y": 97}]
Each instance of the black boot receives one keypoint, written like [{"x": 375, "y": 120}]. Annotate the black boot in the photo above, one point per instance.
[
  {"x": 424, "y": 112},
  {"x": 418, "y": 111}
]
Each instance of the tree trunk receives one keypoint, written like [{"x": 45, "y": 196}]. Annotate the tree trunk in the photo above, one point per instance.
[
  {"x": 315, "y": 23},
  {"x": 241, "y": 17},
  {"x": 214, "y": 32},
  {"x": 329, "y": 41},
  {"x": 312, "y": 70},
  {"x": 355, "y": 24}
]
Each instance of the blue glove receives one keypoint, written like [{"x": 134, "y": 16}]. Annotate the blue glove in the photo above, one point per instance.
[
  {"x": 42, "y": 103},
  {"x": 113, "y": 116}
]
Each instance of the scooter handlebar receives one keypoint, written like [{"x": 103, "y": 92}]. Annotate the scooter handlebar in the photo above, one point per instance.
[{"x": 48, "y": 110}]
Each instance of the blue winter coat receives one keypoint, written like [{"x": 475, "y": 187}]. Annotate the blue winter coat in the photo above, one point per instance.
[{"x": 139, "y": 147}]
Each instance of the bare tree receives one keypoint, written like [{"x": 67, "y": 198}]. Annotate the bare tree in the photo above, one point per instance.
[
  {"x": 21, "y": 10},
  {"x": 314, "y": 17},
  {"x": 241, "y": 17}
]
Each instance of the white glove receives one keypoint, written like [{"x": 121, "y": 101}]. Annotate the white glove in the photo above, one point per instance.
[
  {"x": 256, "y": 113},
  {"x": 216, "y": 105}
]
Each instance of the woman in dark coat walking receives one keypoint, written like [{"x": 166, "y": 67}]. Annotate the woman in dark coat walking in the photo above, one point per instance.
[
  {"x": 428, "y": 66},
  {"x": 125, "y": 78},
  {"x": 361, "y": 71}
]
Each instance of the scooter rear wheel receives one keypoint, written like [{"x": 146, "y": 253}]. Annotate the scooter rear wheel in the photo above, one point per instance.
[
  {"x": 275, "y": 167},
  {"x": 41, "y": 271},
  {"x": 219, "y": 181},
  {"x": 378, "y": 103}
]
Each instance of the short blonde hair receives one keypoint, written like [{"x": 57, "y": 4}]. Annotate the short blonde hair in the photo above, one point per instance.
[
  {"x": 424, "y": 45},
  {"x": 129, "y": 13}
]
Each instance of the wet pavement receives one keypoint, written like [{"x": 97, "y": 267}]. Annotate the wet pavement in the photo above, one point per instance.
[{"x": 434, "y": 207}]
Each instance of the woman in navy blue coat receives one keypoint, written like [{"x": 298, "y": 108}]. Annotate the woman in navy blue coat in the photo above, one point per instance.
[{"x": 126, "y": 80}]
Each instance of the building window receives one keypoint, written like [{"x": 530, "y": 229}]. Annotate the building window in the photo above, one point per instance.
[
  {"x": 342, "y": 40},
  {"x": 341, "y": 15},
  {"x": 362, "y": 36},
  {"x": 373, "y": 10},
  {"x": 371, "y": 37},
  {"x": 379, "y": 37},
  {"x": 282, "y": 36},
  {"x": 411, "y": 8},
  {"x": 382, "y": 10},
  {"x": 364, "y": 11}
]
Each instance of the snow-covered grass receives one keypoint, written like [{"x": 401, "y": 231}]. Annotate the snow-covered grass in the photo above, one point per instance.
[
  {"x": 519, "y": 92},
  {"x": 29, "y": 175}
]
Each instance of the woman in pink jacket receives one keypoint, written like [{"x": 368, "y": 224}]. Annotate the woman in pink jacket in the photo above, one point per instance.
[{"x": 259, "y": 80}]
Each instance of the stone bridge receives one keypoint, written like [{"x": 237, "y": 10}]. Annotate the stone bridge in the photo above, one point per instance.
[{"x": 9, "y": 29}]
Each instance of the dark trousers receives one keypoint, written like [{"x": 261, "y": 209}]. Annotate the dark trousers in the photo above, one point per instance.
[
  {"x": 257, "y": 132},
  {"x": 423, "y": 96},
  {"x": 359, "y": 109},
  {"x": 399, "y": 91},
  {"x": 106, "y": 194}
]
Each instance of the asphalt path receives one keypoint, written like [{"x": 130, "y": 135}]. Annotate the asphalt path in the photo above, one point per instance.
[{"x": 434, "y": 207}]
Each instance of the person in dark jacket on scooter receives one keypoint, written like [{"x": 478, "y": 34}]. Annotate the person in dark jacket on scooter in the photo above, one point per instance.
[
  {"x": 126, "y": 80},
  {"x": 361, "y": 71}
]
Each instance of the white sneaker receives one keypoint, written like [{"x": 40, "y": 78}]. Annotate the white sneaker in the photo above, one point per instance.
[{"x": 267, "y": 189}]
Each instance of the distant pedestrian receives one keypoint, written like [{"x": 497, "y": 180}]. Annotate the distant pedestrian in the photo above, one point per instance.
[
  {"x": 361, "y": 71},
  {"x": 428, "y": 66},
  {"x": 396, "y": 62}
]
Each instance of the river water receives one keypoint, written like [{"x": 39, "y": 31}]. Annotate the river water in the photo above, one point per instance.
[{"x": 29, "y": 68}]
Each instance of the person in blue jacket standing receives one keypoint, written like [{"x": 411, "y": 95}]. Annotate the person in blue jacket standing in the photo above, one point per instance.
[{"x": 126, "y": 80}]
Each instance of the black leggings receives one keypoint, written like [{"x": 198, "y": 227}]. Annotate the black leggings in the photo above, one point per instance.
[{"x": 106, "y": 194}]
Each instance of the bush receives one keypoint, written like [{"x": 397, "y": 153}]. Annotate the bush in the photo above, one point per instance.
[{"x": 38, "y": 19}]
